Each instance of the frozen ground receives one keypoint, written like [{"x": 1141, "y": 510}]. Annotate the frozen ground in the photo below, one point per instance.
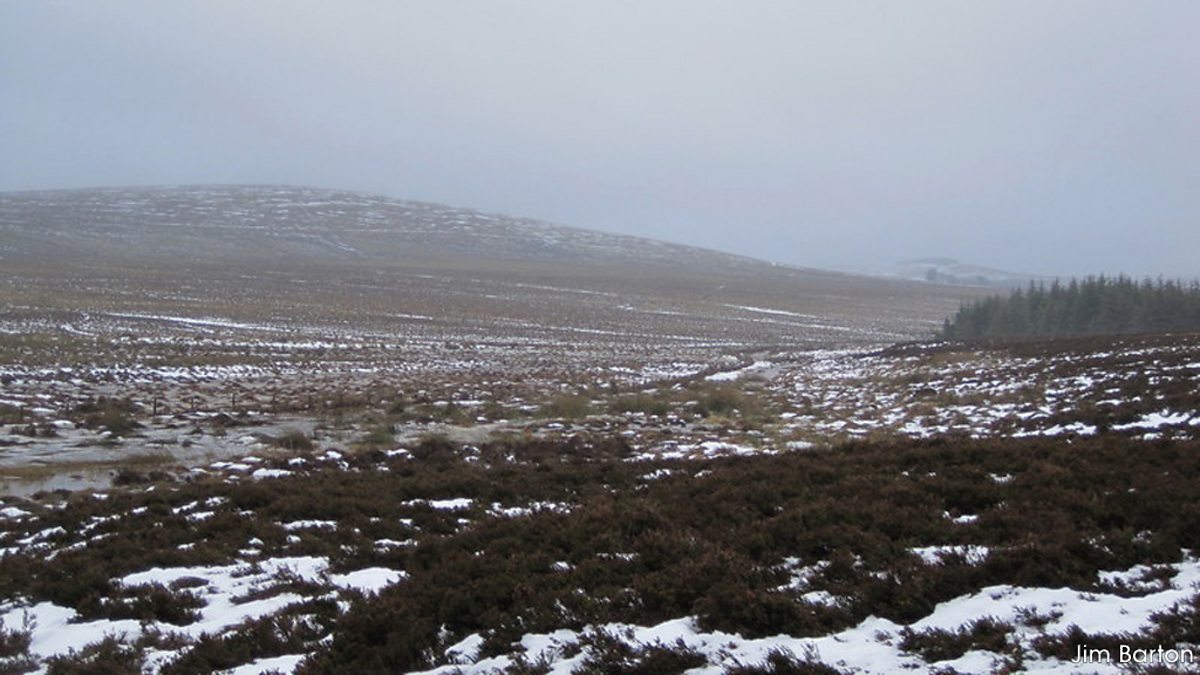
[
  {"x": 719, "y": 405},
  {"x": 274, "y": 579},
  {"x": 874, "y": 646},
  {"x": 192, "y": 399},
  {"x": 160, "y": 340}
]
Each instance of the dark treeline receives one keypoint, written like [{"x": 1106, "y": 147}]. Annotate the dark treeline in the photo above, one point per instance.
[{"x": 1095, "y": 305}]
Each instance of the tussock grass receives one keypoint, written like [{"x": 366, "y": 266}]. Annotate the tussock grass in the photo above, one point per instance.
[
  {"x": 115, "y": 415},
  {"x": 650, "y": 404},
  {"x": 567, "y": 407},
  {"x": 292, "y": 440}
]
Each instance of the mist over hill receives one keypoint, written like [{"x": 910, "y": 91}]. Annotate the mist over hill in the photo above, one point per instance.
[
  {"x": 273, "y": 223},
  {"x": 287, "y": 254},
  {"x": 948, "y": 271}
]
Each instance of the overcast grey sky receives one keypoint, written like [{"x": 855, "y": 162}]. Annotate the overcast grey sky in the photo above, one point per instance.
[{"x": 1044, "y": 136}]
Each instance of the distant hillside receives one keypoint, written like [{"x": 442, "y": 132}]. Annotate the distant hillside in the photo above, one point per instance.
[
  {"x": 953, "y": 272},
  {"x": 235, "y": 223},
  {"x": 337, "y": 258}
]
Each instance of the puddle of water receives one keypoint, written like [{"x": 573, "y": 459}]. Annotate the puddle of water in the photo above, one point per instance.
[
  {"x": 79, "y": 460},
  {"x": 95, "y": 479}
]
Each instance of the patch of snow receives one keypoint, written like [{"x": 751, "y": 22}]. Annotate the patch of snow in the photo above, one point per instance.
[
  {"x": 281, "y": 664},
  {"x": 368, "y": 580},
  {"x": 934, "y": 555},
  {"x": 457, "y": 504}
]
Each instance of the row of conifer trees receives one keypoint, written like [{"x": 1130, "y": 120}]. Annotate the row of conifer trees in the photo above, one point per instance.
[{"x": 1095, "y": 305}]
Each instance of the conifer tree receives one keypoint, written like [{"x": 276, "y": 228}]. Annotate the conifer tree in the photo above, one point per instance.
[{"x": 1095, "y": 305}]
